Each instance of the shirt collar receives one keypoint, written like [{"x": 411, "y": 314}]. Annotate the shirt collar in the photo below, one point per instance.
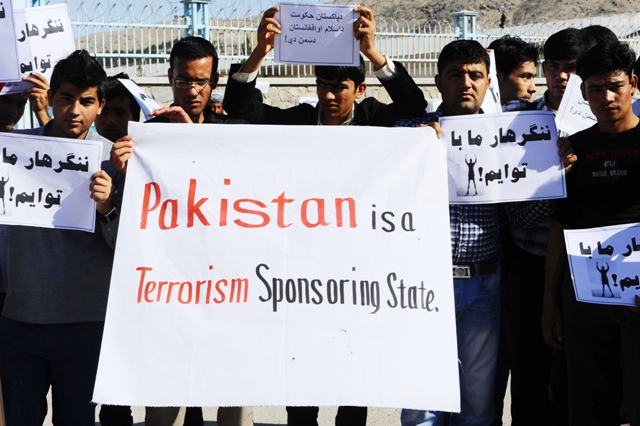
[{"x": 348, "y": 121}]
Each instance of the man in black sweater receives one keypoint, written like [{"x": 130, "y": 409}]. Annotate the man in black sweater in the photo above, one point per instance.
[{"x": 338, "y": 88}]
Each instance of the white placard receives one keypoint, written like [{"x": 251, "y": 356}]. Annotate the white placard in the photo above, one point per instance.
[
  {"x": 9, "y": 66},
  {"x": 147, "y": 104},
  {"x": 605, "y": 263},
  {"x": 44, "y": 181},
  {"x": 492, "y": 103},
  {"x": 44, "y": 36},
  {"x": 574, "y": 113},
  {"x": 316, "y": 34},
  {"x": 282, "y": 265},
  {"x": 502, "y": 157}
]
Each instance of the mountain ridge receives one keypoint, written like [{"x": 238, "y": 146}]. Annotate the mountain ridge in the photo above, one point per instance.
[{"x": 516, "y": 12}]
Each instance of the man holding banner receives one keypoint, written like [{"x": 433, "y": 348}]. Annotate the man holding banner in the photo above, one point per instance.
[
  {"x": 525, "y": 248},
  {"x": 192, "y": 76},
  {"x": 53, "y": 318},
  {"x": 525, "y": 259},
  {"x": 601, "y": 342},
  {"x": 338, "y": 88},
  {"x": 463, "y": 79}
]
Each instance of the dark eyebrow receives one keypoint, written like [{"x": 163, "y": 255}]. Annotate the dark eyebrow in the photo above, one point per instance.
[{"x": 182, "y": 77}]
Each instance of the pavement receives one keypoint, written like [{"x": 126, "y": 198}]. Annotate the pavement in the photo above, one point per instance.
[{"x": 267, "y": 416}]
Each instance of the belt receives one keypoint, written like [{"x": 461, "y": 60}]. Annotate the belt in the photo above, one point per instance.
[{"x": 475, "y": 269}]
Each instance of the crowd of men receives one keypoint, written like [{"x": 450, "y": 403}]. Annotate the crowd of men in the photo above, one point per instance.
[{"x": 53, "y": 315}]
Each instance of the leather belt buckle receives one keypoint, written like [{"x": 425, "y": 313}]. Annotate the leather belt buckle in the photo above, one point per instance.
[{"x": 461, "y": 271}]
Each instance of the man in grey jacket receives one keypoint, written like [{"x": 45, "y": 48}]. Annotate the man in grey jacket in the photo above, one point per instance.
[{"x": 52, "y": 321}]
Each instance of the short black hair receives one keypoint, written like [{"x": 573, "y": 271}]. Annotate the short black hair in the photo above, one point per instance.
[
  {"x": 597, "y": 34},
  {"x": 565, "y": 45},
  {"x": 510, "y": 52},
  {"x": 606, "y": 58},
  {"x": 356, "y": 74},
  {"x": 81, "y": 70},
  {"x": 467, "y": 51},
  {"x": 114, "y": 90},
  {"x": 192, "y": 48}
]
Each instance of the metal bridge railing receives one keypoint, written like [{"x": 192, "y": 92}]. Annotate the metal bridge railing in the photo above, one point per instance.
[{"x": 137, "y": 36}]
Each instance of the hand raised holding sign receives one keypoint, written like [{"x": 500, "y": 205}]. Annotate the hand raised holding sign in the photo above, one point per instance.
[
  {"x": 364, "y": 30},
  {"x": 268, "y": 28},
  {"x": 38, "y": 96}
]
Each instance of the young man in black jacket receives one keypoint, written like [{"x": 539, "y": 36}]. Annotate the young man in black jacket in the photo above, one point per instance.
[{"x": 338, "y": 88}]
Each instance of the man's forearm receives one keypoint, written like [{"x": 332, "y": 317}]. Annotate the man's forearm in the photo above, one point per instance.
[
  {"x": 42, "y": 116},
  {"x": 253, "y": 62},
  {"x": 377, "y": 59}
]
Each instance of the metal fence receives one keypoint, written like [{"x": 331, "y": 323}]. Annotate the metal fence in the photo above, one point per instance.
[{"x": 136, "y": 36}]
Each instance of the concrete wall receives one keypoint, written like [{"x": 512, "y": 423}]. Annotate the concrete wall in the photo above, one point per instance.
[{"x": 285, "y": 92}]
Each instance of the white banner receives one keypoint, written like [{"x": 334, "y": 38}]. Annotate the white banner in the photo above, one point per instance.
[
  {"x": 45, "y": 181},
  {"x": 9, "y": 68},
  {"x": 282, "y": 265},
  {"x": 44, "y": 36},
  {"x": 315, "y": 34},
  {"x": 574, "y": 113},
  {"x": 502, "y": 157},
  {"x": 605, "y": 263}
]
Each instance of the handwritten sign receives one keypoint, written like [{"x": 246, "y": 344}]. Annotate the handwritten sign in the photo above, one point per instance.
[
  {"x": 574, "y": 113},
  {"x": 502, "y": 157},
  {"x": 9, "y": 68},
  {"x": 44, "y": 181},
  {"x": 43, "y": 36},
  {"x": 605, "y": 263},
  {"x": 147, "y": 104},
  {"x": 317, "y": 35},
  {"x": 282, "y": 265}
]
